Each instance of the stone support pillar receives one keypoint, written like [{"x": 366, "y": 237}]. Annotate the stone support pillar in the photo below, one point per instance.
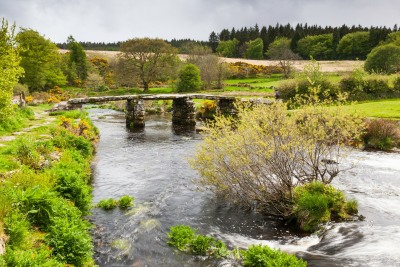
[
  {"x": 135, "y": 113},
  {"x": 226, "y": 107},
  {"x": 183, "y": 111}
]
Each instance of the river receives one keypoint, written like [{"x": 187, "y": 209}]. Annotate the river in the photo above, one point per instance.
[{"x": 151, "y": 165}]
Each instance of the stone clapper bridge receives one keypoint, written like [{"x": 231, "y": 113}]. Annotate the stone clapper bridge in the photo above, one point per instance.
[{"x": 183, "y": 107}]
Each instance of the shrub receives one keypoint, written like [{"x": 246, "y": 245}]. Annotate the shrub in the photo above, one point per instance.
[
  {"x": 207, "y": 110},
  {"x": 376, "y": 85},
  {"x": 189, "y": 79},
  {"x": 107, "y": 204},
  {"x": 40, "y": 256},
  {"x": 259, "y": 256},
  {"x": 381, "y": 134},
  {"x": 181, "y": 236},
  {"x": 17, "y": 228},
  {"x": 317, "y": 203},
  {"x": 201, "y": 244},
  {"x": 219, "y": 249},
  {"x": 26, "y": 152},
  {"x": 260, "y": 156},
  {"x": 125, "y": 202},
  {"x": 384, "y": 58},
  {"x": 396, "y": 84},
  {"x": 70, "y": 240}
]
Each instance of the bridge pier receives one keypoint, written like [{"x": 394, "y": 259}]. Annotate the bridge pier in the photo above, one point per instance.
[
  {"x": 135, "y": 113},
  {"x": 226, "y": 107},
  {"x": 183, "y": 111}
]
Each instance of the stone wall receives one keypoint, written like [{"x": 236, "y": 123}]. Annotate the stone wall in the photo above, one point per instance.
[
  {"x": 183, "y": 111},
  {"x": 135, "y": 112}
]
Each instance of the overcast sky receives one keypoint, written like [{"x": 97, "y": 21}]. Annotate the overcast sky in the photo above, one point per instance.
[{"x": 119, "y": 20}]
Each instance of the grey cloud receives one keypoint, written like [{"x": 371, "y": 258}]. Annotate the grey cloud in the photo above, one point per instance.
[{"x": 106, "y": 20}]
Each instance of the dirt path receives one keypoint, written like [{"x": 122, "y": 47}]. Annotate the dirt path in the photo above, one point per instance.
[{"x": 41, "y": 119}]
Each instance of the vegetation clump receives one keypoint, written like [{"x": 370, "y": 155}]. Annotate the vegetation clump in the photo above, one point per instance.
[
  {"x": 185, "y": 238},
  {"x": 316, "y": 203},
  {"x": 381, "y": 134},
  {"x": 124, "y": 202},
  {"x": 258, "y": 256}
]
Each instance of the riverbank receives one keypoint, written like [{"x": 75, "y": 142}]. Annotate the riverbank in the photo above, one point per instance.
[{"x": 45, "y": 191}]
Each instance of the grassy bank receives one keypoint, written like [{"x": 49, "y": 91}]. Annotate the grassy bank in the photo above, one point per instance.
[{"x": 45, "y": 193}]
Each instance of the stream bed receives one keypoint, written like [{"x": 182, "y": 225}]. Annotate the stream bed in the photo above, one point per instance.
[{"x": 152, "y": 165}]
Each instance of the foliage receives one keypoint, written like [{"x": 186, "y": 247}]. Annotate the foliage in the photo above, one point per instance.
[
  {"x": 181, "y": 236},
  {"x": 245, "y": 70},
  {"x": 17, "y": 229},
  {"x": 27, "y": 154},
  {"x": 255, "y": 49},
  {"x": 382, "y": 134},
  {"x": 385, "y": 58},
  {"x": 260, "y": 156},
  {"x": 149, "y": 59},
  {"x": 10, "y": 69},
  {"x": 40, "y": 256},
  {"x": 280, "y": 50},
  {"x": 354, "y": 45},
  {"x": 319, "y": 47},
  {"x": 70, "y": 240},
  {"x": 316, "y": 203},
  {"x": 16, "y": 122},
  {"x": 107, "y": 204},
  {"x": 228, "y": 48},
  {"x": 78, "y": 64},
  {"x": 40, "y": 60},
  {"x": 212, "y": 69},
  {"x": 207, "y": 110},
  {"x": 201, "y": 244},
  {"x": 72, "y": 174},
  {"x": 125, "y": 202},
  {"x": 396, "y": 84},
  {"x": 262, "y": 256},
  {"x": 189, "y": 79}
]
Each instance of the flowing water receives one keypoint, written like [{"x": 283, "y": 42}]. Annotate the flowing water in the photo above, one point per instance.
[{"x": 151, "y": 165}]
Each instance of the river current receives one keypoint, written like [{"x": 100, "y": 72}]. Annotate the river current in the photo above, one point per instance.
[{"x": 152, "y": 166}]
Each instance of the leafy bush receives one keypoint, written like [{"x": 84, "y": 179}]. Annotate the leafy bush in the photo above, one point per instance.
[
  {"x": 260, "y": 156},
  {"x": 107, "y": 204},
  {"x": 219, "y": 249},
  {"x": 260, "y": 256},
  {"x": 381, "y": 134},
  {"x": 376, "y": 85},
  {"x": 70, "y": 240},
  {"x": 181, "y": 236},
  {"x": 67, "y": 140},
  {"x": 26, "y": 152},
  {"x": 17, "y": 228},
  {"x": 189, "y": 79},
  {"x": 317, "y": 203},
  {"x": 201, "y": 244},
  {"x": 125, "y": 202},
  {"x": 40, "y": 256},
  {"x": 383, "y": 58},
  {"x": 396, "y": 84}
]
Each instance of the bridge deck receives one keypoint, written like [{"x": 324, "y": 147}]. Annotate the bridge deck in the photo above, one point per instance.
[{"x": 98, "y": 99}]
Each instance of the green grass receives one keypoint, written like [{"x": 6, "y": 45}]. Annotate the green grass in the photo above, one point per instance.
[{"x": 387, "y": 109}]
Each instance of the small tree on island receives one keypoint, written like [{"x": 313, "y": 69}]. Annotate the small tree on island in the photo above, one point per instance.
[{"x": 261, "y": 156}]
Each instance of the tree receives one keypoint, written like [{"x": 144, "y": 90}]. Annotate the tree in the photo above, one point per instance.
[
  {"x": 280, "y": 50},
  {"x": 149, "y": 58},
  {"x": 255, "y": 49},
  {"x": 354, "y": 45},
  {"x": 318, "y": 46},
  {"x": 228, "y": 48},
  {"x": 9, "y": 66},
  {"x": 40, "y": 60},
  {"x": 213, "y": 41},
  {"x": 212, "y": 69},
  {"x": 259, "y": 157},
  {"x": 77, "y": 59},
  {"x": 384, "y": 58},
  {"x": 189, "y": 79}
]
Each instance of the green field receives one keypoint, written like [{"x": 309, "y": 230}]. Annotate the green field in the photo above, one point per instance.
[{"x": 387, "y": 109}]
